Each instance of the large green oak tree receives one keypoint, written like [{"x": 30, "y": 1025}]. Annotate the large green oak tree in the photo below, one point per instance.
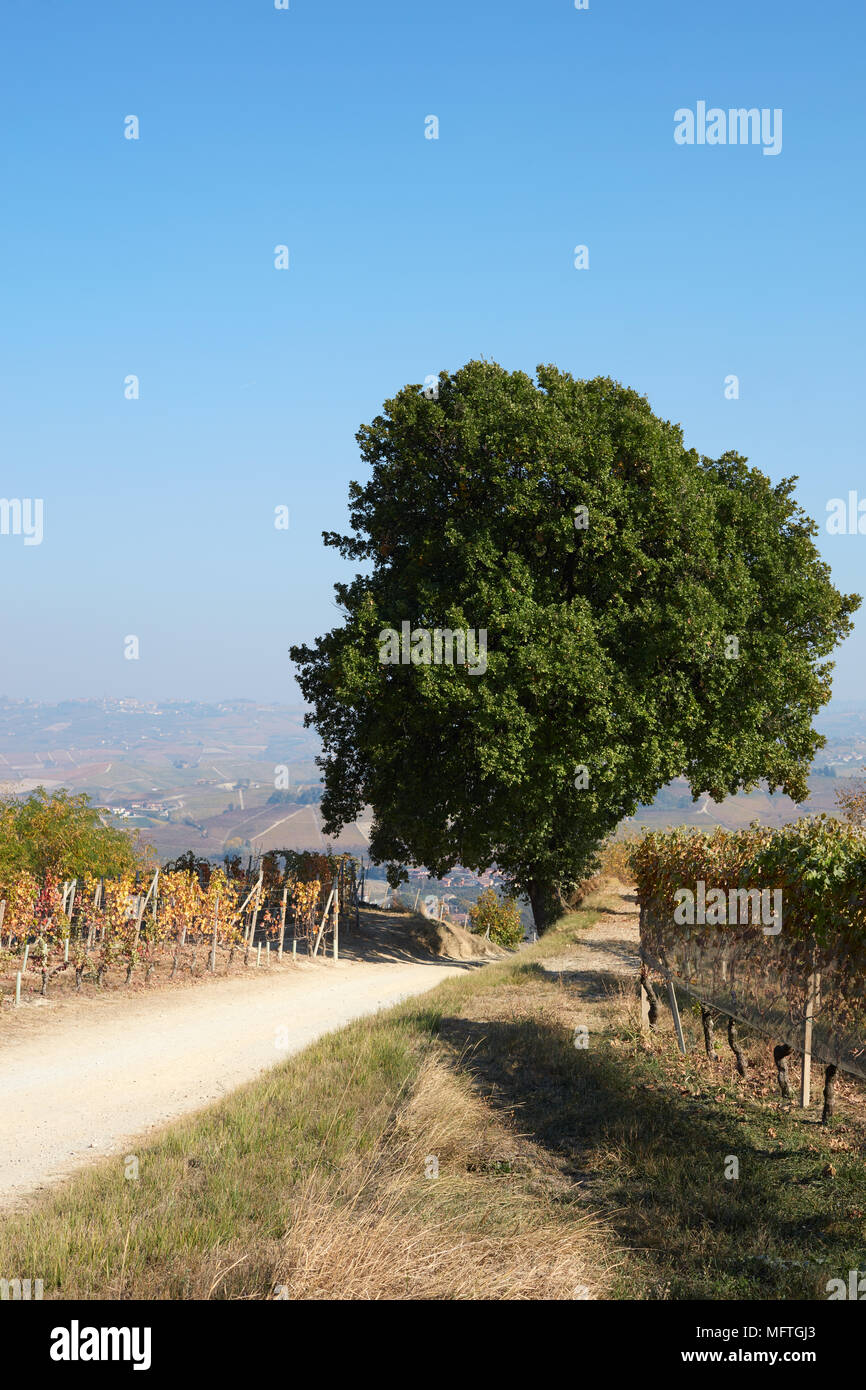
[{"x": 649, "y": 613}]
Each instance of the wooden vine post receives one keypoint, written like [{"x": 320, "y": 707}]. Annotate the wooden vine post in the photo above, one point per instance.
[
  {"x": 675, "y": 1010},
  {"x": 283, "y": 922},
  {"x": 254, "y": 919},
  {"x": 324, "y": 919},
  {"x": 336, "y": 918},
  {"x": 142, "y": 907},
  {"x": 213, "y": 948},
  {"x": 813, "y": 1000},
  {"x": 92, "y": 929}
]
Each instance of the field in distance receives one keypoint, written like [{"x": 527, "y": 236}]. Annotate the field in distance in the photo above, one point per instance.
[
  {"x": 237, "y": 774},
  {"x": 189, "y": 776}
]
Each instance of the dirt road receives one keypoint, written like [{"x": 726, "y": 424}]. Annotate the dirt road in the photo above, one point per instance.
[
  {"x": 78, "y": 1081},
  {"x": 607, "y": 952}
]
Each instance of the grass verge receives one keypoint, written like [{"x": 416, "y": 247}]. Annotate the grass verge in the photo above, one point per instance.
[{"x": 463, "y": 1146}]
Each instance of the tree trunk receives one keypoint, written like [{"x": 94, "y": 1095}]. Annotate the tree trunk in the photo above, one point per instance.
[
  {"x": 780, "y": 1057},
  {"x": 49, "y": 975},
  {"x": 708, "y": 1020},
  {"x": 736, "y": 1049},
  {"x": 829, "y": 1093},
  {"x": 548, "y": 904},
  {"x": 653, "y": 1010}
]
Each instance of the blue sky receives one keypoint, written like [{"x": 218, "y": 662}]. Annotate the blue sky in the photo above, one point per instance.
[{"x": 305, "y": 127}]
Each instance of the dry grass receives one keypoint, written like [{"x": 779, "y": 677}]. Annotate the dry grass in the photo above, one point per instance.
[
  {"x": 387, "y": 1230},
  {"x": 312, "y": 1183},
  {"x": 562, "y": 1172}
]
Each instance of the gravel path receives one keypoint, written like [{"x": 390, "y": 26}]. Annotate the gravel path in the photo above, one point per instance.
[
  {"x": 609, "y": 948},
  {"x": 80, "y": 1079}
]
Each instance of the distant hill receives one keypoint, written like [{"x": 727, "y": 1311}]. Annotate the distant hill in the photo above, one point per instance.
[
  {"x": 201, "y": 776},
  {"x": 188, "y": 775}
]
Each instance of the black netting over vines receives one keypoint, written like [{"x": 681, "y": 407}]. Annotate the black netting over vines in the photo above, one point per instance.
[{"x": 763, "y": 981}]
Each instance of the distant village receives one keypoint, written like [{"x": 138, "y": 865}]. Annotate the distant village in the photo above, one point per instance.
[{"x": 453, "y": 893}]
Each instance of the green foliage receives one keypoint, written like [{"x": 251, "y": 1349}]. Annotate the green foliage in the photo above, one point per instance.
[
  {"x": 818, "y": 862},
  {"x": 301, "y": 866},
  {"x": 60, "y": 833},
  {"x": 191, "y": 863},
  {"x": 606, "y": 646},
  {"x": 306, "y": 797},
  {"x": 497, "y": 918}
]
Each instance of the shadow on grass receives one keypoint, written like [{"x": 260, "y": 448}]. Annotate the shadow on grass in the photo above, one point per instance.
[{"x": 653, "y": 1163}]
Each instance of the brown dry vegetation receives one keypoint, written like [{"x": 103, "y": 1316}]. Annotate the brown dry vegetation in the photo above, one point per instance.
[
  {"x": 484, "y": 1228},
  {"x": 380, "y": 932},
  {"x": 562, "y": 1172},
  {"x": 314, "y": 1183}
]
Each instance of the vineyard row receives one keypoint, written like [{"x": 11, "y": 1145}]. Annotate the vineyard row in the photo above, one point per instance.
[{"x": 94, "y": 927}]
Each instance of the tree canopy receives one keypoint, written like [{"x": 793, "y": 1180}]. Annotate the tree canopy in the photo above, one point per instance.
[
  {"x": 648, "y": 611},
  {"x": 61, "y": 833}
]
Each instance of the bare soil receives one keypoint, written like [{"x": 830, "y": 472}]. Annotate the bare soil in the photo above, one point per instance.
[{"x": 80, "y": 1076}]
